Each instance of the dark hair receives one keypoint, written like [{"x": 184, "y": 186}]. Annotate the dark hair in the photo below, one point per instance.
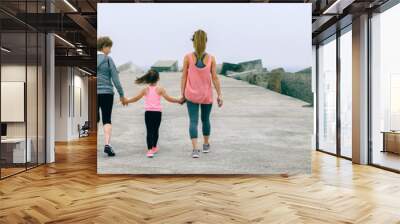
[
  {"x": 103, "y": 42},
  {"x": 151, "y": 77}
]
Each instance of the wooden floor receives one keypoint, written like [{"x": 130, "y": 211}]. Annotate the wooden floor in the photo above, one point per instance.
[
  {"x": 387, "y": 159},
  {"x": 70, "y": 191},
  {"x": 5, "y": 172}
]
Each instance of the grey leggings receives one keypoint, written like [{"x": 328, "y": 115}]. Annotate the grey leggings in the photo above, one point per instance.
[{"x": 193, "y": 109}]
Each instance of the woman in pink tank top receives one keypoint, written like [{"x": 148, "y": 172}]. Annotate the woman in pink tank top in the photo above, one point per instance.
[
  {"x": 199, "y": 73},
  {"x": 152, "y": 94}
]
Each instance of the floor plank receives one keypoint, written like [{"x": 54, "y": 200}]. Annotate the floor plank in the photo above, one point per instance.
[{"x": 70, "y": 191}]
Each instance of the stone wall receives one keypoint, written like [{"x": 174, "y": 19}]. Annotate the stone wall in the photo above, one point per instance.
[
  {"x": 228, "y": 68},
  {"x": 297, "y": 85}
]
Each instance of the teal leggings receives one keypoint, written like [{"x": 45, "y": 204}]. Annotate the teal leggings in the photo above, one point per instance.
[{"x": 193, "y": 109}]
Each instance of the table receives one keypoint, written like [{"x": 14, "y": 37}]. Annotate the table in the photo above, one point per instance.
[
  {"x": 391, "y": 141},
  {"x": 16, "y": 147}
]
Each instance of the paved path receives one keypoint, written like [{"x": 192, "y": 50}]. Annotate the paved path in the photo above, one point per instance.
[{"x": 257, "y": 131}]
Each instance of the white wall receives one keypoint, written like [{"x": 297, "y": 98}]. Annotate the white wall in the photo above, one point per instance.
[
  {"x": 70, "y": 83},
  {"x": 34, "y": 126},
  {"x": 61, "y": 103},
  {"x": 79, "y": 117},
  {"x": 12, "y": 73}
]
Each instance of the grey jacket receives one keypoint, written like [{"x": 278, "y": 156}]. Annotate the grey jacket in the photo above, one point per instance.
[{"x": 107, "y": 72}]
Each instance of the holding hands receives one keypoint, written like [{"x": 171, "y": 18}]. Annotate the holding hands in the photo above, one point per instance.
[
  {"x": 124, "y": 101},
  {"x": 220, "y": 101},
  {"x": 182, "y": 100}
]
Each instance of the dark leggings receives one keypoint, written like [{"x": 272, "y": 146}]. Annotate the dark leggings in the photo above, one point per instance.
[
  {"x": 105, "y": 104},
  {"x": 193, "y": 109},
  {"x": 152, "y": 120}
]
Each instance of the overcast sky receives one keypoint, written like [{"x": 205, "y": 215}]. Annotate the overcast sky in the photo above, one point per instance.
[{"x": 279, "y": 34}]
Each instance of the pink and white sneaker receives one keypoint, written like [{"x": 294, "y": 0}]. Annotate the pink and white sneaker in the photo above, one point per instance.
[
  {"x": 150, "y": 153},
  {"x": 155, "y": 150}
]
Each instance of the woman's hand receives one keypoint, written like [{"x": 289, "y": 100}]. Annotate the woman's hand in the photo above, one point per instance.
[
  {"x": 216, "y": 82},
  {"x": 220, "y": 101},
  {"x": 182, "y": 100}
]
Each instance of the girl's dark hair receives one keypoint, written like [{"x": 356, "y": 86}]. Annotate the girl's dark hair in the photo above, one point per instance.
[{"x": 151, "y": 77}]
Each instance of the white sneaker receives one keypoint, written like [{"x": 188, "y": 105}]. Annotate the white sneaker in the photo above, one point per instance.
[
  {"x": 196, "y": 153},
  {"x": 206, "y": 148}
]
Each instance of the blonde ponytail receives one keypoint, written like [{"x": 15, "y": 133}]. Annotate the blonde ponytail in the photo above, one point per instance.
[{"x": 199, "y": 42}]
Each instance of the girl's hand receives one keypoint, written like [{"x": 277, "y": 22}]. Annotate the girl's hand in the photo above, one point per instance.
[{"x": 220, "y": 101}]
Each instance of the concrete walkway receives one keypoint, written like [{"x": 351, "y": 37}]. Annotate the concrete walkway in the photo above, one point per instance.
[{"x": 257, "y": 131}]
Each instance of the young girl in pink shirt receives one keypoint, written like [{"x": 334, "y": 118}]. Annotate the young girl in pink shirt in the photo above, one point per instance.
[{"x": 152, "y": 94}]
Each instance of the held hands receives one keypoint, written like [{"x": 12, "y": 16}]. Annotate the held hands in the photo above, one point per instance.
[
  {"x": 124, "y": 101},
  {"x": 182, "y": 100}
]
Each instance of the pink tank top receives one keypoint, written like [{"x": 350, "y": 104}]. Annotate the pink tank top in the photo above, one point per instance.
[
  {"x": 198, "y": 87},
  {"x": 152, "y": 101}
]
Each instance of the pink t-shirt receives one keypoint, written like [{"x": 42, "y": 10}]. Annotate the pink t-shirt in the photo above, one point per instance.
[
  {"x": 198, "y": 84},
  {"x": 152, "y": 100}
]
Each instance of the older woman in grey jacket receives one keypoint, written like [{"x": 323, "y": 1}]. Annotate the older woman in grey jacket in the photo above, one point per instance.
[{"x": 107, "y": 78}]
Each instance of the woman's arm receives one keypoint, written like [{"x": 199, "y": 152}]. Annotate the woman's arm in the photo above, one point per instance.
[
  {"x": 137, "y": 97},
  {"x": 169, "y": 98},
  {"x": 115, "y": 80},
  {"x": 115, "y": 77},
  {"x": 184, "y": 75},
  {"x": 215, "y": 80}
]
